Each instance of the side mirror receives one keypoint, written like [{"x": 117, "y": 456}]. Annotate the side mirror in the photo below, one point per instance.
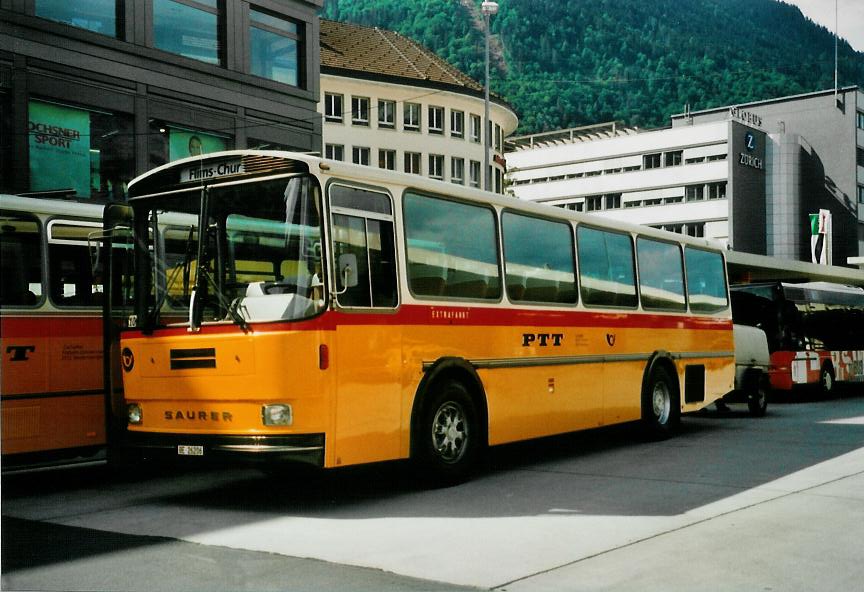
[{"x": 348, "y": 270}]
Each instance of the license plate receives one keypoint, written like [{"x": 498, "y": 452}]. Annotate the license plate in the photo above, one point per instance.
[{"x": 184, "y": 450}]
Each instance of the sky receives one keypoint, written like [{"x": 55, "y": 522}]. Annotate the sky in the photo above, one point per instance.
[{"x": 851, "y": 17}]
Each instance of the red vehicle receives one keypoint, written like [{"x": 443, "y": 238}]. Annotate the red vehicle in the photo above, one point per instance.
[{"x": 815, "y": 330}]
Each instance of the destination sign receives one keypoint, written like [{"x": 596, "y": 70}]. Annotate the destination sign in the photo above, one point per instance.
[{"x": 212, "y": 170}]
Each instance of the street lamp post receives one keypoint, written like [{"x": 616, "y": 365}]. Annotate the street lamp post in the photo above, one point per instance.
[{"x": 488, "y": 8}]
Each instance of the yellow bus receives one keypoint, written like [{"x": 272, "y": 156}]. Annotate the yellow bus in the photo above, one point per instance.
[{"x": 302, "y": 309}]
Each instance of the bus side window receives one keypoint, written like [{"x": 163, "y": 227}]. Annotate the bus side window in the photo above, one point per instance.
[
  {"x": 72, "y": 281},
  {"x": 538, "y": 260},
  {"x": 661, "y": 275},
  {"x": 363, "y": 228},
  {"x": 606, "y": 270},
  {"x": 20, "y": 260},
  {"x": 706, "y": 280},
  {"x": 452, "y": 249}
]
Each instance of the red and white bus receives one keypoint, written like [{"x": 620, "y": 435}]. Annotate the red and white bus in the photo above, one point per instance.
[
  {"x": 51, "y": 332},
  {"x": 815, "y": 330}
]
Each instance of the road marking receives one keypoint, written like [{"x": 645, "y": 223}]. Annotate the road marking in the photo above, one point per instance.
[{"x": 846, "y": 421}]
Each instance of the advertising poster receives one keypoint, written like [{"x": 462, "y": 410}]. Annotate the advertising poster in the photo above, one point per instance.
[
  {"x": 184, "y": 143},
  {"x": 59, "y": 148}
]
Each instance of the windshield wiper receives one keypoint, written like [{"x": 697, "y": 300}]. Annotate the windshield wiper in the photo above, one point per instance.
[{"x": 231, "y": 307}]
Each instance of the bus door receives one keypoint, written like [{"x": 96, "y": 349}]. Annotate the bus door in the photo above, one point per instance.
[
  {"x": 115, "y": 255},
  {"x": 367, "y": 356}
]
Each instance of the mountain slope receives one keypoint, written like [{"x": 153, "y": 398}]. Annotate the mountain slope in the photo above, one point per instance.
[{"x": 576, "y": 63}]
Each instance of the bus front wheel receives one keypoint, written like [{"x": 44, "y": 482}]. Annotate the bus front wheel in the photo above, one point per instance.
[
  {"x": 447, "y": 439},
  {"x": 661, "y": 410}
]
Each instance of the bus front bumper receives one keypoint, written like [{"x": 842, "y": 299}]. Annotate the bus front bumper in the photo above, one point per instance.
[{"x": 297, "y": 448}]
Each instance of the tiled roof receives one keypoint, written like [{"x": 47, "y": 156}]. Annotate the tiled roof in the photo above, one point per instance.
[{"x": 375, "y": 52}]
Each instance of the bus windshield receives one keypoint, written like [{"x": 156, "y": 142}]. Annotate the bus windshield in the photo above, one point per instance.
[{"x": 258, "y": 257}]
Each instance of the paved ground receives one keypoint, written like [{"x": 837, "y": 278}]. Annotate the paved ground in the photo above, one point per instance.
[{"x": 733, "y": 503}]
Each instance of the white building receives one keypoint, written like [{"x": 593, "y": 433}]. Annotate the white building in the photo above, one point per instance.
[
  {"x": 748, "y": 175},
  {"x": 389, "y": 102}
]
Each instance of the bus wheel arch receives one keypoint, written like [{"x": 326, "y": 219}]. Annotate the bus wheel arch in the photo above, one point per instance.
[
  {"x": 661, "y": 396},
  {"x": 449, "y": 422}
]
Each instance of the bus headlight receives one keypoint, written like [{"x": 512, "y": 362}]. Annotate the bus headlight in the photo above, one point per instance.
[
  {"x": 278, "y": 414},
  {"x": 134, "y": 415}
]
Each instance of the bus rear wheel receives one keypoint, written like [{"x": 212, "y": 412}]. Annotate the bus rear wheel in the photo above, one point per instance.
[
  {"x": 447, "y": 442},
  {"x": 661, "y": 410},
  {"x": 826, "y": 379}
]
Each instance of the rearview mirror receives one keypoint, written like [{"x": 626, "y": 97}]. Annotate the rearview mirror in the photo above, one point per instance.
[{"x": 348, "y": 270}]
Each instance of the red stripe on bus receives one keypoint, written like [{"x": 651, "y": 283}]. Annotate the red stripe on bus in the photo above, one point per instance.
[
  {"x": 431, "y": 315},
  {"x": 54, "y": 326}
]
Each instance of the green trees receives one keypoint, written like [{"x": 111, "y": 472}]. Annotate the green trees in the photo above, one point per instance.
[{"x": 640, "y": 61}]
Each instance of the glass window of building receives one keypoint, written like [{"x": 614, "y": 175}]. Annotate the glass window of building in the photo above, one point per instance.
[
  {"x": 169, "y": 142},
  {"x": 274, "y": 47},
  {"x": 860, "y": 119},
  {"x": 7, "y": 144},
  {"x": 613, "y": 201},
  {"x": 475, "y": 128},
  {"x": 100, "y": 16},
  {"x": 436, "y": 166},
  {"x": 861, "y": 194},
  {"x": 498, "y": 138},
  {"x": 474, "y": 179},
  {"x": 334, "y": 151},
  {"x": 360, "y": 155},
  {"x": 436, "y": 120},
  {"x": 387, "y": 159},
  {"x": 651, "y": 161},
  {"x": 386, "y": 114},
  {"x": 412, "y": 162},
  {"x": 411, "y": 114},
  {"x": 333, "y": 107},
  {"x": 457, "y": 170},
  {"x": 694, "y": 192},
  {"x": 188, "y": 28},
  {"x": 457, "y": 124},
  {"x": 672, "y": 158},
  {"x": 717, "y": 190},
  {"x": 89, "y": 152},
  {"x": 254, "y": 144},
  {"x": 595, "y": 202},
  {"x": 359, "y": 111}
]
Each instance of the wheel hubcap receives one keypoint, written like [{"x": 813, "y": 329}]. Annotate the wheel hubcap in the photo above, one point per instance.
[
  {"x": 450, "y": 432},
  {"x": 826, "y": 381},
  {"x": 662, "y": 402}
]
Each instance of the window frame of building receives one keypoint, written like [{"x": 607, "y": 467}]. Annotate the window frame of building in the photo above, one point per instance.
[
  {"x": 612, "y": 201},
  {"x": 361, "y": 155},
  {"x": 436, "y": 166},
  {"x": 673, "y": 158},
  {"x": 651, "y": 161},
  {"x": 717, "y": 190},
  {"x": 114, "y": 15},
  {"x": 694, "y": 193},
  {"x": 861, "y": 194},
  {"x": 436, "y": 119},
  {"x": 334, "y": 151},
  {"x": 457, "y": 123},
  {"x": 330, "y": 107},
  {"x": 387, "y": 159},
  {"x": 593, "y": 203},
  {"x": 476, "y": 124},
  {"x": 386, "y": 114},
  {"x": 360, "y": 111},
  {"x": 474, "y": 168},
  {"x": 859, "y": 119},
  {"x": 457, "y": 170},
  {"x": 281, "y": 32},
  {"x": 203, "y": 7},
  {"x": 412, "y": 117},
  {"x": 498, "y": 138},
  {"x": 412, "y": 162}
]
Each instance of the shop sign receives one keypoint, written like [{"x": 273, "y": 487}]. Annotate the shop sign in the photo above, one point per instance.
[
  {"x": 746, "y": 117},
  {"x": 59, "y": 139},
  {"x": 747, "y": 158}
]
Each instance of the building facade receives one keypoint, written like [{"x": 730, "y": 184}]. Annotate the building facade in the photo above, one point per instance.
[
  {"x": 95, "y": 92},
  {"x": 391, "y": 103},
  {"x": 747, "y": 175}
]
